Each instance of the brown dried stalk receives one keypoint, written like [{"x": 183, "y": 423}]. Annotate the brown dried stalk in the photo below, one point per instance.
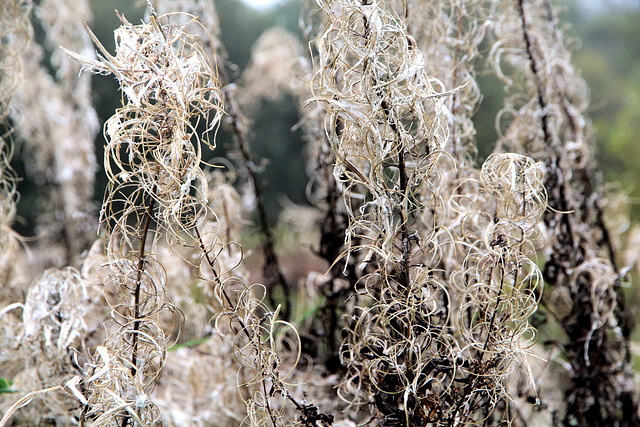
[
  {"x": 153, "y": 154},
  {"x": 552, "y": 124}
]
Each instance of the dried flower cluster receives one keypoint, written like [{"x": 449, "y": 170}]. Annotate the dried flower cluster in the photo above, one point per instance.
[
  {"x": 434, "y": 263},
  {"x": 447, "y": 284}
]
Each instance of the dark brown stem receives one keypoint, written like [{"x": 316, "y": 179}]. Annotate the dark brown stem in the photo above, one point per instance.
[
  {"x": 331, "y": 243},
  {"x": 136, "y": 297},
  {"x": 405, "y": 241},
  {"x": 533, "y": 65},
  {"x": 271, "y": 267},
  {"x": 495, "y": 310},
  {"x": 219, "y": 282},
  {"x": 244, "y": 328},
  {"x": 555, "y": 162}
]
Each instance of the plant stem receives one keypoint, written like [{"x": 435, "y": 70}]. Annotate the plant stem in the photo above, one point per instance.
[
  {"x": 219, "y": 282},
  {"x": 136, "y": 302},
  {"x": 288, "y": 395},
  {"x": 136, "y": 297},
  {"x": 271, "y": 268}
]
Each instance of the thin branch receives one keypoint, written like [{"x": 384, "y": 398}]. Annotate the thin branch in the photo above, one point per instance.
[{"x": 272, "y": 269}]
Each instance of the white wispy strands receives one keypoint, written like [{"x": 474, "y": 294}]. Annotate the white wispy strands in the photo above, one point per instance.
[
  {"x": 155, "y": 151},
  {"x": 438, "y": 240},
  {"x": 417, "y": 305}
]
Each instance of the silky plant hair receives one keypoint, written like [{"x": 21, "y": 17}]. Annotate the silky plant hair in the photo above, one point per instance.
[
  {"x": 430, "y": 287},
  {"x": 423, "y": 323},
  {"x": 209, "y": 25},
  {"x": 156, "y": 188},
  {"x": 545, "y": 115},
  {"x": 449, "y": 34}
]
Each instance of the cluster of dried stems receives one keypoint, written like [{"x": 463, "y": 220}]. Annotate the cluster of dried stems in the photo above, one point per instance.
[
  {"x": 424, "y": 313},
  {"x": 447, "y": 282},
  {"x": 580, "y": 263}
]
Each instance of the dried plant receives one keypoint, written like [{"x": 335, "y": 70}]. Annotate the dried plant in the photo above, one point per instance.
[
  {"x": 425, "y": 323},
  {"x": 49, "y": 346},
  {"x": 59, "y": 146},
  {"x": 434, "y": 263},
  {"x": 153, "y": 164},
  {"x": 550, "y": 123}
]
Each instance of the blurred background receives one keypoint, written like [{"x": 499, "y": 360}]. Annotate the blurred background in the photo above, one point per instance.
[{"x": 606, "y": 40}]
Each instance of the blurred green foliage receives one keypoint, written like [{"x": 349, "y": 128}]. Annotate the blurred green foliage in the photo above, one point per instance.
[
  {"x": 5, "y": 386},
  {"x": 610, "y": 63}
]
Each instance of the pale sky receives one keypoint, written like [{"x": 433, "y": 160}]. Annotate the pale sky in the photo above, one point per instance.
[{"x": 260, "y": 4}]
